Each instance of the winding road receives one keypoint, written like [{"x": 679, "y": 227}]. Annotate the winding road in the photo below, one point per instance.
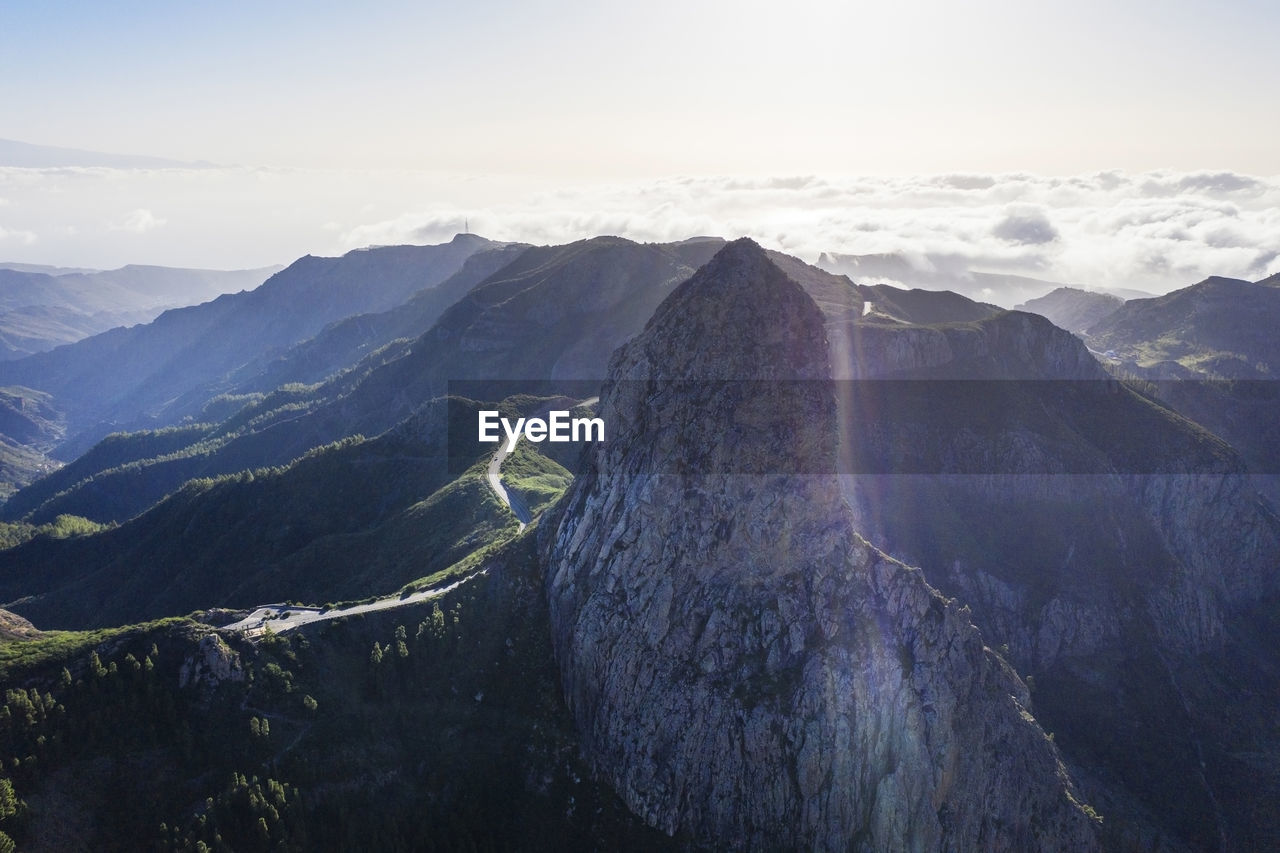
[
  {"x": 513, "y": 501},
  {"x": 285, "y": 617},
  {"x": 494, "y": 474}
]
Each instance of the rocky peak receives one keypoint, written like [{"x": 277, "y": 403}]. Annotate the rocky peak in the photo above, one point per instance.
[
  {"x": 1220, "y": 281},
  {"x": 743, "y": 667},
  {"x": 738, "y": 317}
]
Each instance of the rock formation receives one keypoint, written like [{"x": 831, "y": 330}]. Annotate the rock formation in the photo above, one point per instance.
[{"x": 743, "y": 667}]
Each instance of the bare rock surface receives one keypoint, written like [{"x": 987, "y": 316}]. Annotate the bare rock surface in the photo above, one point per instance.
[{"x": 744, "y": 668}]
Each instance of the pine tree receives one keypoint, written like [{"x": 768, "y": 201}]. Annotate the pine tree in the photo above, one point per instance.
[{"x": 9, "y": 803}]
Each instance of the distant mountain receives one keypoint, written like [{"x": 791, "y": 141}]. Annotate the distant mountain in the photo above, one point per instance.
[
  {"x": 1220, "y": 328},
  {"x": 39, "y": 328},
  {"x": 1214, "y": 355},
  {"x": 42, "y": 308},
  {"x": 554, "y": 314},
  {"x": 551, "y": 314},
  {"x": 1127, "y": 293},
  {"x": 132, "y": 376},
  {"x": 24, "y": 155},
  {"x": 1073, "y": 309},
  {"x": 869, "y": 267},
  {"x": 1002, "y": 288},
  {"x": 44, "y": 268},
  {"x": 346, "y": 342}
]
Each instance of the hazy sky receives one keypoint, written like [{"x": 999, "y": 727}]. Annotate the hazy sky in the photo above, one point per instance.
[
  {"x": 655, "y": 88},
  {"x": 923, "y": 127}
]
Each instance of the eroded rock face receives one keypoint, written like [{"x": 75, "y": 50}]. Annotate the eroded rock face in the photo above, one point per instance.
[
  {"x": 1114, "y": 551},
  {"x": 14, "y": 627},
  {"x": 1010, "y": 345},
  {"x": 743, "y": 667},
  {"x": 212, "y": 663},
  {"x": 1064, "y": 505}
]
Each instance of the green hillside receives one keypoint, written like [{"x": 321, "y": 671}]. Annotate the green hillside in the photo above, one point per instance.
[
  {"x": 451, "y": 734},
  {"x": 353, "y": 519}
]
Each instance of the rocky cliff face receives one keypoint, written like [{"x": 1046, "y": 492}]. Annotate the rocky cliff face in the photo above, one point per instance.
[
  {"x": 1007, "y": 345},
  {"x": 1058, "y": 502},
  {"x": 743, "y": 667},
  {"x": 212, "y": 663},
  {"x": 1116, "y": 551}
]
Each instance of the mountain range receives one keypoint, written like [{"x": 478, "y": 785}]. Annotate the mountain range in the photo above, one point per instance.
[
  {"x": 138, "y": 376},
  {"x": 856, "y": 567},
  {"x": 45, "y": 307},
  {"x": 42, "y": 308}
]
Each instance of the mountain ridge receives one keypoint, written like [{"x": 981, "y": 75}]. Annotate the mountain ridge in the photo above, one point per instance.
[
  {"x": 41, "y": 308},
  {"x": 1073, "y": 309},
  {"x": 128, "y": 376},
  {"x": 1218, "y": 328}
]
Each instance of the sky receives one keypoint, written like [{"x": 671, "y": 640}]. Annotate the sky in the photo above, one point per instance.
[{"x": 331, "y": 122}]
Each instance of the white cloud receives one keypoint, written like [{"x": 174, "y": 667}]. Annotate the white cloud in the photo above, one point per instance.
[
  {"x": 1025, "y": 225},
  {"x": 139, "y": 221},
  {"x": 1153, "y": 231}
]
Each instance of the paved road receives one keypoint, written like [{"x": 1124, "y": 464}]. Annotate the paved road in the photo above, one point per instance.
[
  {"x": 512, "y": 500},
  {"x": 272, "y": 615},
  {"x": 494, "y": 474}
]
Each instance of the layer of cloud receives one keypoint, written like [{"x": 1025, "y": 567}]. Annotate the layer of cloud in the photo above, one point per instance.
[
  {"x": 1026, "y": 227},
  {"x": 1151, "y": 231}
]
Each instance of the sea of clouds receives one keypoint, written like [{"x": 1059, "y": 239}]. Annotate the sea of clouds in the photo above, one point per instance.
[{"x": 1151, "y": 231}]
